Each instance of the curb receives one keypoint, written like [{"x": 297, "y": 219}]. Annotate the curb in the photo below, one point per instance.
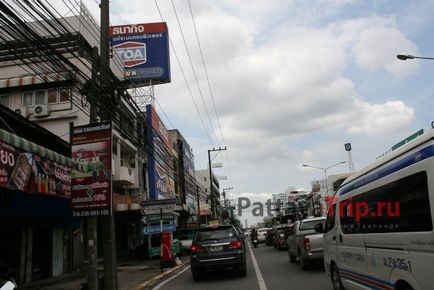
[{"x": 146, "y": 285}]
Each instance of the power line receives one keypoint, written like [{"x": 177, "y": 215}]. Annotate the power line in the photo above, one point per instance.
[{"x": 194, "y": 71}]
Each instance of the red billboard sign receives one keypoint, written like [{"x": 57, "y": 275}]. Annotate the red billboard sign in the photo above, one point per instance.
[{"x": 91, "y": 170}]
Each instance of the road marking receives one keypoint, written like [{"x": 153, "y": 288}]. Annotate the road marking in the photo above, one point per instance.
[
  {"x": 261, "y": 281},
  {"x": 170, "y": 279}
]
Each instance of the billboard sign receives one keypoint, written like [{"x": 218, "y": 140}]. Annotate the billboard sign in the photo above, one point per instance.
[
  {"x": 160, "y": 160},
  {"x": 32, "y": 173},
  {"x": 91, "y": 170},
  {"x": 144, "y": 51}
]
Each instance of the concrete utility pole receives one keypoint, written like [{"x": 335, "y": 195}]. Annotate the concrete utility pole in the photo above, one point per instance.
[
  {"x": 211, "y": 194},
  {"x": 224, "y": 194},
  {"x": 110, "y": 262},
  {"x": 92, "y": 236}
]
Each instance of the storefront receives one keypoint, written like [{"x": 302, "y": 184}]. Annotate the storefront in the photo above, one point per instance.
[{"x": 39, "y": 236}]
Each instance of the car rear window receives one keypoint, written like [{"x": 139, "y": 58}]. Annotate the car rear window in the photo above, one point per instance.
[
  {"x": 310, "y": 225},
  {"x": 216, "y": 234}
]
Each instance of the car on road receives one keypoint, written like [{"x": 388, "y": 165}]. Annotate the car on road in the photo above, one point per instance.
[
  {"x": 305, "y": 243},
  {"x": 217, "y": 247}
]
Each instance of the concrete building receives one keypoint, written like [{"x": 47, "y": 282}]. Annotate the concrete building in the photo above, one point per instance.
[
  {"x": 54, "y": 96},
  {"x": 203, "y": 180}
]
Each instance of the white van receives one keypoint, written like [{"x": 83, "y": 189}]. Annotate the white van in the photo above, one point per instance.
[{"x": 379, "y": 229}]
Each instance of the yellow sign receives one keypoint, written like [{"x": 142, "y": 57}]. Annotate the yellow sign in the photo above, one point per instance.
[{"x": 213, "y": 223}]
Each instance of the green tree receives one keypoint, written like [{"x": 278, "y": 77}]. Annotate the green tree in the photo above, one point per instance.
[{"x": 235, "y": 221}]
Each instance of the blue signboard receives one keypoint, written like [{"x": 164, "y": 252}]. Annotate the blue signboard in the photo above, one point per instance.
[
  {"x": 160, "y": 160},
  {"x": 157, "y": 229},
  {"x": 144, "y": 51}
]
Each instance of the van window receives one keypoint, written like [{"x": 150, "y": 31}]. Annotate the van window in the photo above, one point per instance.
[
  {"x": 331, "y": 216},
  {"x": 400, "y": 206}
]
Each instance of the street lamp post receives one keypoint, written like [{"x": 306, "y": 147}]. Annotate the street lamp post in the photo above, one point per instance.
[
  {"x": 213, "y": 213},
  {"x": 224, "y": 194},
  {"x": 325, "y": 176},
  {"x": 409, "y": 56}
]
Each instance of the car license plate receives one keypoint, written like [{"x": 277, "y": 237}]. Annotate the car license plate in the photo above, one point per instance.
[{"x": 216, "y": 248}]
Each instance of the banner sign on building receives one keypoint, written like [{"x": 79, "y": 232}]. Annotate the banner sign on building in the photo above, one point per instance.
[
  {"x": 33, "y": 173},
  {"x": 91, "y": 170},
  {"x": 160, "y": 160},
  {"x": 144, "y": 51}
]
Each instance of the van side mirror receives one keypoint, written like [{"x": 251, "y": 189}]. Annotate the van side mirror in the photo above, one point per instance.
[{"x": 319, "y": 228}]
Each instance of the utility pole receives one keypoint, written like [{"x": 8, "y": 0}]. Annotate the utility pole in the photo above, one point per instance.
[
  {"x": 224, "y": 194},
  {"x": 211, "y": 189},
  {"x": 110, "y": 263},
  {"x": 92, "y": 236},
  {"x": 198, "y": 203}
]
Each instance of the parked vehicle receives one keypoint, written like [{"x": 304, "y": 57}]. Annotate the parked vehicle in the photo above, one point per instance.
[
  {"x": 280, "y": 236},
  {"x": 261, "y": 234},
  {"x": 186, "y": 238},
  {"x": 305, "y": 243},
  {"x": 269, "y": 237},
  {"x": 217, "y": 247},
  {"x": 379, "y": 230}
]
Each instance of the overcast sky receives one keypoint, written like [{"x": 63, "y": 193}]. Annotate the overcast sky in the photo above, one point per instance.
[{"x": 293, "y": 80}]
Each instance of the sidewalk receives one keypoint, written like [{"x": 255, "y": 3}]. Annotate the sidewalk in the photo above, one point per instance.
[{"x": 131, "y": 275}]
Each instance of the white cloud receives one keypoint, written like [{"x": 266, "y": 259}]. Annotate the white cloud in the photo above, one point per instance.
[
  {"x": 377, "y": 48},
  {"x": 377, "y": 119}
]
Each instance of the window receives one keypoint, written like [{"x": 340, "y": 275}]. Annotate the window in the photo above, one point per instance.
[
  {"x": 5, "y": 100},
  {"x": 400, "y": 206},
  {"x": 331, "y": 216},
  {"x": 63, "y": 95},
  {"x": 27, "y": 99},
  {"x": 52, "y": 96},
  {"x": 40, "y": 98},
  {"x": 310, "y": 225},
  {"x": 215, "y": 234}
]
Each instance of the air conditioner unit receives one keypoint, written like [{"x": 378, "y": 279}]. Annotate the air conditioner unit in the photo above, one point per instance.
[
  {"x": 22, "y": 111},
  {"x": 41, "y": 110}
]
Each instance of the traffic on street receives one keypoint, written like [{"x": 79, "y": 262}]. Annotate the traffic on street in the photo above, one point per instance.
[{"x": 267, "y": 268}]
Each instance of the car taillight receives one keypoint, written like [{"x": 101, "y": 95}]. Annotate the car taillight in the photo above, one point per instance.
[
  {"x": 306, "y": 244},
  {"x": 196, "y": 248},
  {"x": 235, "y": 245}
]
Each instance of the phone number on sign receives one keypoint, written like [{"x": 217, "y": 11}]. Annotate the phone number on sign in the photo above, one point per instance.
[{"x": 95, "y": 212}]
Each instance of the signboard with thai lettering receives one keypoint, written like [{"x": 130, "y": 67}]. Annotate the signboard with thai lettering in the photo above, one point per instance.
[
  {"x": 92, "y": 174},
  {"x": 144, "y": 51},
  {"x": 30, "y": 172}
]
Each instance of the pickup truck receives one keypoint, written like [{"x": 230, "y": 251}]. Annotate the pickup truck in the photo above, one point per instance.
[{"x": 305, "y": 243}]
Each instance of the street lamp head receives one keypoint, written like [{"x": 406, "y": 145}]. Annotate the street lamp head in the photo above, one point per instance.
[
  {"x": 404, "y": 56},
  {"x": 305, "y": 165}
]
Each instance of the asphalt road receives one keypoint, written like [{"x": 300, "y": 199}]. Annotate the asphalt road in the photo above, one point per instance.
[{"x": 274, "y": 267}]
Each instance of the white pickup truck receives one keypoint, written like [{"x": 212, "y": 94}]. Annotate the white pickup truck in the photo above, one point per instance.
[{"x": 305, "y": 243}]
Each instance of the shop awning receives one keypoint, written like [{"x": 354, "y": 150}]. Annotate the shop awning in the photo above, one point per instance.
[
  {"x": 33, "y": 79},
  {"x": 28, "y": 146}
]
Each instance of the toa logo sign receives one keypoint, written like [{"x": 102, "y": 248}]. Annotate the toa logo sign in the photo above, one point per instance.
[{"x": 131, "y": 53}]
